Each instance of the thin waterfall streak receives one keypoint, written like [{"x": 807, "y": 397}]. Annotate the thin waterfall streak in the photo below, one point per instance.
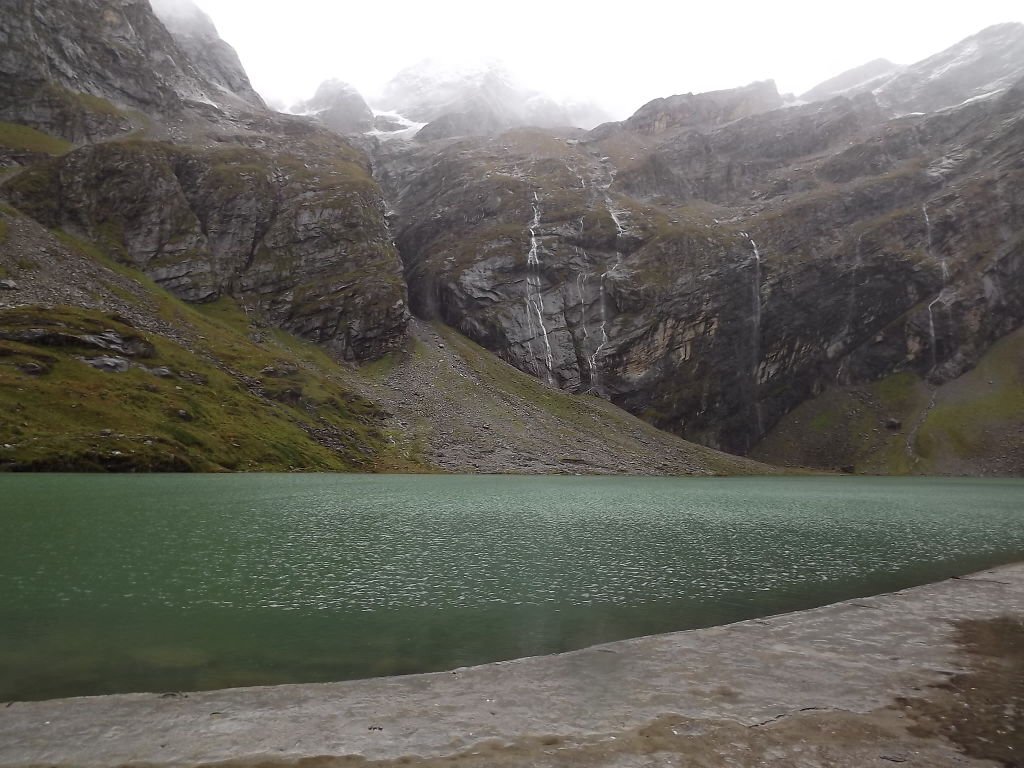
[{"x": 534, "y": 293}]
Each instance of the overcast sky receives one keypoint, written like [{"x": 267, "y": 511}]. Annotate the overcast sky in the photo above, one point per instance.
[{"x": 619, "y": 54}]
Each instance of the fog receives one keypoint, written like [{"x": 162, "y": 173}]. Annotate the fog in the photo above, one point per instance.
[{"x": 619, "y": 55}]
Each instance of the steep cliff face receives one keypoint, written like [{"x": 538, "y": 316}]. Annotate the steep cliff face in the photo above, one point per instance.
[
  {"x": 715, "y": 261},
  {"x": 711, "y": 264},
  {"x": 71, "y": 68},
  {"x": 298, "y": 235}
]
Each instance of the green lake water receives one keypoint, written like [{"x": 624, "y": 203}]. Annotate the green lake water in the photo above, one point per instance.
[{"x": 184, "y": 582}]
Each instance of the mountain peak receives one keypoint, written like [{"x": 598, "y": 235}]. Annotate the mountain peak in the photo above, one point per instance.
[
  {"x": 339, "y": 106},
  {"x": 853, "y": 81}
]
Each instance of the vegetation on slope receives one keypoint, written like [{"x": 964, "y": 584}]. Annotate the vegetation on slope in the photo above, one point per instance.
[
  {"x": 900, "y": 425},
  {"x": 240, "y": 406}
]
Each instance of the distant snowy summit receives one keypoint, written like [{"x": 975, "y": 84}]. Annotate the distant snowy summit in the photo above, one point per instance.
[
  {"x": 433, "y": 99},
  {"x": 484, "y": 95},
  {"x": 978, "y": 67}
]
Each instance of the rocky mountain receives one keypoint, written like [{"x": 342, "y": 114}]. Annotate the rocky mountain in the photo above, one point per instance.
[
  {"x": 168, "y": 250},
  {"x": 212, "y": 195},
  {"x": 339, "y": 106},
  {"x": 700, "y": 111},
  {"x": 716, "y": 260},
  {"x": 62, "y": 64},
  {"x": 722, "y": 266}
]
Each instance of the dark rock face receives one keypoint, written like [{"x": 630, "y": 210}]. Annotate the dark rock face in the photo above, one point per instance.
[
  {"x": 299, "y": 236},
  {"x": 340, "y": 107},
  {"x": 712, "y": 262}
]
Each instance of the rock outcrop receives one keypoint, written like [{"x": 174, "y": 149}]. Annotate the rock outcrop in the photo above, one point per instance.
[
  {"x": 73, "y": 68},
  {"x": 298, "y": 235}
]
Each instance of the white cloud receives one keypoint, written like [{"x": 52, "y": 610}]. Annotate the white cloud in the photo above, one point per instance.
[{"x": 621, "y": 54}]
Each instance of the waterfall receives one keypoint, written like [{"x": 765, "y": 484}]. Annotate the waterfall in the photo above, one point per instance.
[
  {"x": 945, "y": 297},
  {"x": 851, "y": 303},
  {"x": 945, "y": 279},
  {"x": 756, "y": 304},
  {"x": 616, "y": 217},
  {"x": 533, "y": 259},
  {"x": 534, "y": 293},
  {"x": 581, "y": 287}
]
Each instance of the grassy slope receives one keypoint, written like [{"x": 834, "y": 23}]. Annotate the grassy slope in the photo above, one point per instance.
[
  {"x": 207, "y": 416},
  {"x": 973, "y": 426},
  {"x": 21, "y": 137}
]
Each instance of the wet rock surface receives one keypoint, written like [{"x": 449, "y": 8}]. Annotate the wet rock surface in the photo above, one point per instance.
[{"x": 845, "y": 685}]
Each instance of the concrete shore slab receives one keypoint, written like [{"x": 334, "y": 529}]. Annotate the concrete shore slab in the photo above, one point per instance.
[{"x": 823, "y": 687}]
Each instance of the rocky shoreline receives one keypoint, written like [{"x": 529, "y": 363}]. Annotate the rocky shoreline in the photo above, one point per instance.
[{"x": 926, "y": 676}]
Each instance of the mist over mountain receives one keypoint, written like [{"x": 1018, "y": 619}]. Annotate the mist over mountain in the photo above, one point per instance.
[
  {"x": 463, "y": 99},
  {"x": 339, "y": 106}
]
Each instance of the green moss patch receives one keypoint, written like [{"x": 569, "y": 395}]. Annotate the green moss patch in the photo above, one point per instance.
[{"x": 23, "y": 138}]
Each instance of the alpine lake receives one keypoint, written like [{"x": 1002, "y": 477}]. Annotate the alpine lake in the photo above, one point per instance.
[{"x": 118, "y": 583}]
